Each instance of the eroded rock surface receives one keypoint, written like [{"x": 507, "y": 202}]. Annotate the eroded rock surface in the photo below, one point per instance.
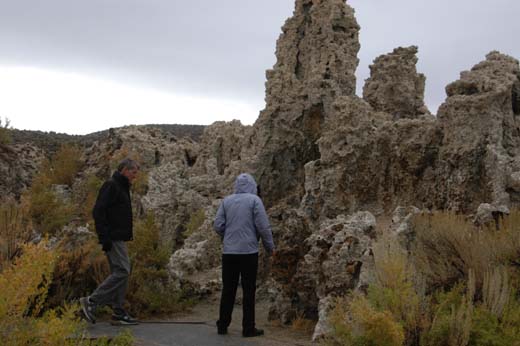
[
  {"x": 394, "y": 85},
  {"x": 18, "y": 164}
]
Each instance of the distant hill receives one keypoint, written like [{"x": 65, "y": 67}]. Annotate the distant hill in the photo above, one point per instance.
[{"x": 51, "y": 141}]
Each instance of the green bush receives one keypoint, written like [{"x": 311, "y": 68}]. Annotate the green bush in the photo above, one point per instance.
[
  {"x": 86, "y": 198},
  {"x": 65, "y": 165},
  {"x": 150, "y": 291},
  {"x": 196, "y": 220},
  {"x": 357, "y": 323},
  {"x": 48, "y": 213},
  {"x": 451, "y": 320}
]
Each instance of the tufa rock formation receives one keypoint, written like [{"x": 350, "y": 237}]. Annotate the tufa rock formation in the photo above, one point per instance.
[
  {"x": 394, "y": 85},
  {"x": 18, "y": 164},
  {"x": 316, "y": 61},
  {"x": 336, "y": 171}
]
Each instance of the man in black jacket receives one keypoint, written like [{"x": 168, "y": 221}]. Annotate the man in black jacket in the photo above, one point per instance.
[{"x": 113, "y": 218}]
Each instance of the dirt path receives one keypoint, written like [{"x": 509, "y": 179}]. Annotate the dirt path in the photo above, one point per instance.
[{"x": 165, "y": 334}]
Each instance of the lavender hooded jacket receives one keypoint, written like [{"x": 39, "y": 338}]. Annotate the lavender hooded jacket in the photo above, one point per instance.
[{"x": 241, "y": 219}]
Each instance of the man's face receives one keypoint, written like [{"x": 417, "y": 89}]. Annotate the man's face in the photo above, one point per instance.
[{"x": 130, "y": 174}]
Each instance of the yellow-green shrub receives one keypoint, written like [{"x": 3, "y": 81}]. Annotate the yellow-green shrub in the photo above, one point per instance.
[
  {"x": 395, "y": 288},
  {"x": 48, "y": 213},
  {"x": 357, "y": 323},
  {"x": 65, "y": 165},
  {"x": 140, "y": 184},
  {"x": 23, "y": 291},
  {"x": 24, "y": 288},
  {"x": 150, "y": 291},
  {"x": 86, "y": 198},
  {"x": 196, "y": 220}
]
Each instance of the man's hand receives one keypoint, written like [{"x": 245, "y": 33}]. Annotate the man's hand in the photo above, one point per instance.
[{"x": 107, "y": 245}]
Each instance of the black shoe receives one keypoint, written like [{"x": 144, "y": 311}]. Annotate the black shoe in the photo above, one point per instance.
[
  {"x": 253, "y": 332},
  {"x": 221, "y": 330},
  {"x": 121, "y": 318},
  {"x": 88, "y": 308}
]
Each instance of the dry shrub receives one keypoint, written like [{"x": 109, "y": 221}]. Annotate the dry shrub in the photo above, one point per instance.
[
  {"x": 15, "y": 229},
  {"x": 65, "y": 165},
  {"x": 447, "y": 247},
  {"x": 81, "y": 267},
  {"x": 303, "y": 324},
  {"x": 496, "y": 290}
]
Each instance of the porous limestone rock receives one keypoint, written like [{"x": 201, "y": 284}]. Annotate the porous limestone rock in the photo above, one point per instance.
[
  {"x": 196, "y": 263},
  {"x": 316, "y": 61},
  {"x": 487, "y": 213},
  {"x": 394, "y": 85},
  {"x": 18, "y": 164},
  {"x": 481, "y": 134},
  {"x": 337, "y": 259}
]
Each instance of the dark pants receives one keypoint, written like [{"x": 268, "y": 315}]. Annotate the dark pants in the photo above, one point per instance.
[
  {"x": 112, "y": 291},
  {"x": 233, "y": 267}
]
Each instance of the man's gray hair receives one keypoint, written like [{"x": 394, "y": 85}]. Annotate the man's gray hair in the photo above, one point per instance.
[{"x": 127, "y": 163}]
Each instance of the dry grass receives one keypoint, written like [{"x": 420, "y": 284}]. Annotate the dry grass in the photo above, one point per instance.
[
  {"x": 303, "y": 325},
  {"x": 448, "y": 246},
  {"x": 496, "y": 290}
]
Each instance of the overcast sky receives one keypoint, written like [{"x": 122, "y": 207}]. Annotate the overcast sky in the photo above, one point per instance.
[{"x": 79, "y": 66}]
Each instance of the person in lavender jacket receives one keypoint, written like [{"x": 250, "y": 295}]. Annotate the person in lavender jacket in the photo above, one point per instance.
[{"x": 241, "y": 221}]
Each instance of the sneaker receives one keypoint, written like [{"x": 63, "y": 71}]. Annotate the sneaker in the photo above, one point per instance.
[
  {"x": 88, "y": 308},
  {"x": 252, "y": 333},
  {"x": 221, "y": 330},
  {"x": 123, "y": 319}
]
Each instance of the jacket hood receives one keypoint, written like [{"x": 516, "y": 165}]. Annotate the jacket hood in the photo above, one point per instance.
[{"x": 245, "y": 183}]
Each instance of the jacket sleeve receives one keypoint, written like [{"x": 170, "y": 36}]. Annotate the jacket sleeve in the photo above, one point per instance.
[
  {"x": 219, "y": 225},
  {"x": 263, "y": 226},
  {"x": 105, "y": 198}
]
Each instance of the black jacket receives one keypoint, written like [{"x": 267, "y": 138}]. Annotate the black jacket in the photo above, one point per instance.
[{"x": 113, "y": 210}]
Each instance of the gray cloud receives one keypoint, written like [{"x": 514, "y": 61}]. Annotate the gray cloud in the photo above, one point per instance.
[{"x": 222, "y": 48}]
